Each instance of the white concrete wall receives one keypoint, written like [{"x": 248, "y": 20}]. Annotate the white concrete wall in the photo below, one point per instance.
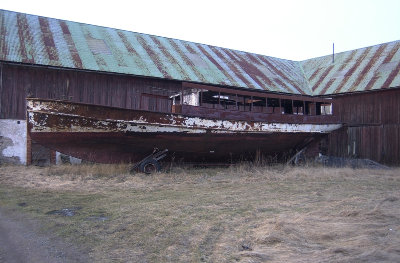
[{"x": 12, "y": 141}]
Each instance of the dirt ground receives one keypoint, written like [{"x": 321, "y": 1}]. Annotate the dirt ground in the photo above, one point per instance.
[
  {"x": 21, "y": 240},
  {"x": 240, "y": 214}
]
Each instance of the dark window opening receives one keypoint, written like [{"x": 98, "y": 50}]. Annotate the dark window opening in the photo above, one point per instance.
[
  {"x": 244, "y": 103},
  {"x": 309, "y": 108},
  {"x": 298, "y": 107},
  {"x": 228, "y": 101},
  {"x": 259, "y": 104},
  {"x": 318, "y": 108},
  {"x": 273, "y": 105},
  {"x": 210, "y": 99},
  {"x": 287, "y": 107}
]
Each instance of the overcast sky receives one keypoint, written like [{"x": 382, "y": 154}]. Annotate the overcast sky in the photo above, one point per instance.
[{"x": 289, "y": 29}]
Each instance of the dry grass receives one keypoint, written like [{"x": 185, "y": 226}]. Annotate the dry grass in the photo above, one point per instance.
[{"x": 238, "y": 214}]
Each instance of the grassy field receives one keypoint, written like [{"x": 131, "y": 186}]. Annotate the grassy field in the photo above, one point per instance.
[{"x": 238, "y": 214}]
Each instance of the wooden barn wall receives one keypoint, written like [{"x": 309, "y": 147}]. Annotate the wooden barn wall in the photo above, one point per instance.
[
  {"x": 372, "y": 127},
  {"x": 19, "y": 81}
]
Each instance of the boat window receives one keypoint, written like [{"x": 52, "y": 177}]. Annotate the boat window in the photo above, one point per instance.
[
  {"x": 287, "y": 106},
  {"x": 298, "y": 107},
  {"x": 309, "y": 108},
  {"x": 228, "y": 101},
  {"x": 209, "y": 99},
  {"x": 318, "y": 108},
  {"x": 273, "y": 105},
  {"x": 259, "y": 104},
  {"x": 176, "y": 99},
  {"x": 326, "y": 108},
  {"x": 244, "y": 103},
  {"x": 191, "y": 97}
]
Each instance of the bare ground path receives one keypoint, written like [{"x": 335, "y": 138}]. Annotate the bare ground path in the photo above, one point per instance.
[{"x": 22, "y": 241}]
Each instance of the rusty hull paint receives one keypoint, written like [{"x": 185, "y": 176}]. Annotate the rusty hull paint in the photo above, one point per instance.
[
  {"x": 85, "y": 131},
  {"x": 120, "y": 147},
  {"x": 119, "y": 118}
]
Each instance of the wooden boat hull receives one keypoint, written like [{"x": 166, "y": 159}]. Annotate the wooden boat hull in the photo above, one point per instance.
[{"x": 119, "y": 135}]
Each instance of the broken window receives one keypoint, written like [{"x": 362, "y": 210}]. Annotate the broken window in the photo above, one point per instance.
[
  {"x": 287, "y": 106},
  {"x": 228, "y": 101},
  {"x": 309, "y": 108},
  {"x": 244, "y": 103},
  {"x": 259, "y": 104},
  {"x": 273, "y": 105},
  {"x": 209, "y": 99},
  {"x": 326, "y": 108},
  {"x": 298, "y": 107},
  {"x": 191, "y": 97}
]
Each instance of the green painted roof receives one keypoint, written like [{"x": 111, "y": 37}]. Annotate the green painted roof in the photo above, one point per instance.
[
  {"x": 364, "y": 69},
  {"x": 52, "y": 42}
]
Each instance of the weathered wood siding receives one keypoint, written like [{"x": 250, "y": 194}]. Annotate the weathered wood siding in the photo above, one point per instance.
[
  {"x": 372, "y": 126},
  {"x": 19, "y": 81}
]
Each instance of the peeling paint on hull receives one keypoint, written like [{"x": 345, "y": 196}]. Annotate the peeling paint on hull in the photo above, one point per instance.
[{"x": 75, "y": 129}]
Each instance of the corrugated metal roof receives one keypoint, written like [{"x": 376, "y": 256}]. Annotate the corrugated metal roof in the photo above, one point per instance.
[
  {"x": 45, "y": 41},
  {"x": 370, "y": 68}
]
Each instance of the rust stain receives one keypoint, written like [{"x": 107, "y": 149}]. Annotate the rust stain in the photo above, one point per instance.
[
  {"x": 348, "y": 60},
  {"x": 170, "y": 57},
  {"x": 231, "y": 66},
  {"x": 283, "y": 76},
  {"x": 25, "y": 39},
  {"x": 330, "y": 82},
  {"x": 265, "y": 79},
  {"x": 71, "y": 45},
  {"x": 370, "y": 64},
  {"x": 387, "y": 59},
  {"x": 322, "y": 77},
  {"x": 351, "y": 71},
  {"x": 210, "y": 57},
  {"x": 127, "y": 44},
  {"x": 249, "y": 68},
  {"x": 315, "y": 74},
  {"x": 327, "y": 86},
  {"x": 391, "y": 53},
  {"x": 3, "y": 43},
  {"x": 132, "y": 51},
  {"x": 187, "y": 60},
  {"x": 153, "y": 56},
  {"x": 48, "y": 39},
  {"x": 371, "y": 82},
  {"x": 392, "y": 75}
]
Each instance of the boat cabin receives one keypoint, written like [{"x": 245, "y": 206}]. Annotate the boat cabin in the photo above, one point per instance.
[{"x": 233, "y": 104}]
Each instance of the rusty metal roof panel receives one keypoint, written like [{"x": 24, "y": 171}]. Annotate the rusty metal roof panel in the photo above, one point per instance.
[
  {"x": 370, "y": 68},
  {"x": 45, "y": 41}
]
